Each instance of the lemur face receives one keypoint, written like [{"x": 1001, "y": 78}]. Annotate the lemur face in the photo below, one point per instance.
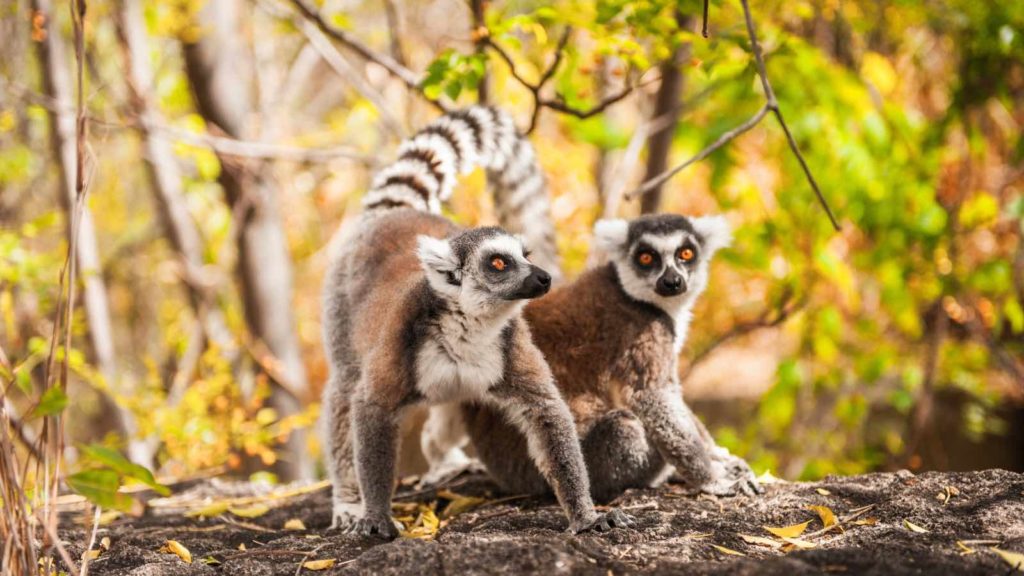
[
  {"x": 482, "y": 269},
  {"x": 663, "y": 259}
]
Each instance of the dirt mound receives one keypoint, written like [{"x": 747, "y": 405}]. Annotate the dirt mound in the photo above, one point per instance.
[{"x": 892, "y": 523}]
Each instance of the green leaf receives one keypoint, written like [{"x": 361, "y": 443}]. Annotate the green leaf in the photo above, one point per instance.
[
  {"x": 114, "y": 461},
  {"x": 101, "y": 488},
  {"x": 53, "y": 401}
]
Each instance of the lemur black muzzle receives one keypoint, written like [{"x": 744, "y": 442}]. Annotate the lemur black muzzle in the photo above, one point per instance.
[
  {"x": 536, "y": 284},
  {"x": 670, "y": 284}
]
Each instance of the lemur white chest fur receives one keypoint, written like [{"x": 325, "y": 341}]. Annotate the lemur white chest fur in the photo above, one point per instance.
[{"x": 461, "y": 358}]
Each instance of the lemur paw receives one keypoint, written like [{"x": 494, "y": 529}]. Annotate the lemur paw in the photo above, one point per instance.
[
  {"x": 381, "y": 526},
  {"x": 613, "y": 518},
  {"x": 344, "y": 515},
  {"x": 737, "y": 470}
]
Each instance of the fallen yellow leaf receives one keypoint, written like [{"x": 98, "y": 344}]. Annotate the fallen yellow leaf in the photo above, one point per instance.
[
  {"x": 319, "y": 564},
  {"x": 215, "y": 509},
  {"x": 241, "y": 546},
  {"x": 105, "y": 543},
  {"x": 92, "y": 554},
  {"x": 728, "y": 551},
  {"x": 176, "y": 548},
  {"x": 760, "y": 540},
  {"x": 788, "y": 531},
  {"x": 250, "y": 512},
  {"x": 966, "y": 549},
  {"x": 870, "y": 521},
  {"x": 294, "y": 524},
  {"x": 914, "y": 527},
  {"x": 460, "y": 504},
  {"x": 1015, "y": 559},
  {"x": 800, "y": 543},
  {"x": 828, "y": 518},
  {"x": 822, "y": 491}
]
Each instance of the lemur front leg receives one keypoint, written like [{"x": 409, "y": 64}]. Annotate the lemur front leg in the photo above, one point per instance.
[
  {"x": 529, "y": 398},
  {"x": 375, "y": 438},
  {"x": 337, "y": 435},
  {"x": 685, "y": 442},
  {"x": 737, "y": 473}
]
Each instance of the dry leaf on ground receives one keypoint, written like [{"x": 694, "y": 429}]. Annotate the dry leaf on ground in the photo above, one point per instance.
[
  {"x": 728, "y": 551},
  {"x": 316, "y": 565},
  {"x": 249, "y": 512},
  {"x": 914, "y": 527},
  {"x": 788, "y": 531},
  {"x": 828, "y": 518},
  {"x": 1015, "y": 559},
  {"x": 176, "y": 548},
  {"x": 294, "y": 524},
  {"x": 208, "y": 511}
]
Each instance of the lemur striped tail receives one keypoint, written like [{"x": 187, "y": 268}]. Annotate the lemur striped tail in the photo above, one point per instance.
[{"x": 430, "y": 162}]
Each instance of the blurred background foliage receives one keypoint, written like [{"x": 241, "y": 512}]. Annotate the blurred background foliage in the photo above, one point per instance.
[{"x": 897, "y": 342}]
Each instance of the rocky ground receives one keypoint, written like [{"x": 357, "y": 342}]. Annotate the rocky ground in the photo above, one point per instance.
[{"x": 892, "y": 523}]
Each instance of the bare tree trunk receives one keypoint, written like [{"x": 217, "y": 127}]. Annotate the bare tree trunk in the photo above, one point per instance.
[
  {"x": 666, "y": 107},
  {"x": 478, "y": 8},
  {"x": 57, "y": 86},
  {"x": 219, "y": 67},
  {"x": 165, "y": 176}
]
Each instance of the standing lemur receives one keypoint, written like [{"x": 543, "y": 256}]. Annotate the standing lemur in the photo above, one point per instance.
[
  {"x": 612, "y": 339},
  {"x": 417, "y": 310}
]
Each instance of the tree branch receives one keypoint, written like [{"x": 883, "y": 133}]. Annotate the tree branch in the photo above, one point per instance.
[
  {"x": 771, "y": 105},
  {"x": 408, "y": 77},
  {"x": 556, "y": 104},
  {"x": 767, "y": 319}
]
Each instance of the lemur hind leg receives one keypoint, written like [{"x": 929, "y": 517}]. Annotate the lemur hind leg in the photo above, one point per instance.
[
  {"x": 620, "y": 456},
  {"x": 337, "y": 434},
  {"x": 503, "y": 451},
  {"x": 443, "y": 443}
]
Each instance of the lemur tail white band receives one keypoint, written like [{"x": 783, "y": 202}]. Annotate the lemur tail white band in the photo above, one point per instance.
[
  {"x": 523, "y": 205},
  {"x": 430, "y": 162}
]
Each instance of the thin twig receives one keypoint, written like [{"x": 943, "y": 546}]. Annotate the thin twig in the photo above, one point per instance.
[
  {"x": 783, "y": 311},
  {"x": 704, "y": 21},
  {"x": 721, "y": 141},
  {"x": 771, "y": 105},
  {"x": 856, "y": 513},
  {"x": 557, "y": 104},
  {"x": 263, "y": 150},
  {"x": 323, "y": 46},
  {"x": 92, "y": 541},
  {"x": 310, "y": 554},
  {"x": 408, "y": 77}
]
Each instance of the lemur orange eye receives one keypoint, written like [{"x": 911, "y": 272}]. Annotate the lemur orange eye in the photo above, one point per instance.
[
  {"x": 498, "y": 263},
  {"x": 645, "y": 259},
  {"x": 686, "y": 254}
]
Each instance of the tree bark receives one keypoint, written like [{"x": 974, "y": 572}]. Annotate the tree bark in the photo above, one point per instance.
[
  {"x": 165, "y": 176},
  {"x": 219, "y": 68},
  {"x": 666, "y": 107},
  {"x": 57, "y": 85}
]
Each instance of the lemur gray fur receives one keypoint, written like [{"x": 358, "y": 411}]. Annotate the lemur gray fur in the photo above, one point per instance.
[
  {"x": 612, "y": 339},
  {"x": 417, "y": 310}
]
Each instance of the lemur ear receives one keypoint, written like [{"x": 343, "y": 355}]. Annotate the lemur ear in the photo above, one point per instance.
[
  {"x": 714, "y": 230},
  {"x": 436, "y": 255},
  {"x": 610, "y": 235}
]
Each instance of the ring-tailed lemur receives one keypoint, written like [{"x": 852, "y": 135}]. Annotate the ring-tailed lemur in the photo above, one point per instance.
[
  {"x": 612, "y": 339},
  {"x": 417, "y": 310}
]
